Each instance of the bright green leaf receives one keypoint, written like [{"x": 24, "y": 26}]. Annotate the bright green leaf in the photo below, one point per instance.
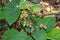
[
  {"x": 22, "y": 4},
  {"x": 54, "y": 34},
  {"x": 36, "y": 8}
]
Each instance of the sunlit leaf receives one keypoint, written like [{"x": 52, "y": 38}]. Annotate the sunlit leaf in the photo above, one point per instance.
[
  {"x": 36, "y": 8},
  {"x": 54, "y": 34}
]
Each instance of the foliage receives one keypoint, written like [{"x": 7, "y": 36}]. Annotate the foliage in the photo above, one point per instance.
[
  {"x": 40, "y": 34},
  {"x": 14, "y": 35},
  {"x": 33, "y": 26},
  {"x": 54, "y": 34}
]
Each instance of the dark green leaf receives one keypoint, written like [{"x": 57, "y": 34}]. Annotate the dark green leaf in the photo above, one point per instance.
[
  {"x": 29, "y": 38},
  {"x": 29, "y": 29},
  {"x": 2, "y": 13},
  {"x": 12, "y": 12},
  {"x": 49, "y": 22},
  {"x": 40, "y": 34},
  {"x": 37, "y": 20},
  {"x": 11, "y": 5},
  {"x": 2, "y": 16},
  {"x": 14, "y": 35},
  {"x": 12, "y": 15}
]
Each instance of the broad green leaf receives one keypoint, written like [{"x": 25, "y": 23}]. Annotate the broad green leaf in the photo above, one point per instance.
[
  {"x": 11, "y": 5},
  {"x": 12, "y": 15},
  {"x": 36, "y": 8},
  {"x": 40, "y": 34},
  {"x": 12, "y": 12},
  {"x": 49, "y": 22},
  {"x": 29, "y": 38},
  {"x": 14, "y": 35},
  {"x": 54, "y": 34}
]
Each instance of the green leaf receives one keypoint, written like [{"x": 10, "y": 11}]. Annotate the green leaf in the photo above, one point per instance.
[
  {"x": 11, "y": 5},
  {"x": 40, "y": 34},
  {"x": 22, "y": 4},
  {"x": 33, "y": 6},
  {"x": 2, "y": 13},
  {"x": 14, "y": 35},
  {"x": 37, "y": 20},
  {"x": 22, "y": 22},
  {"x": 12, "y": 12},
  {"x": 29, "y": 38},
  {"x": 54, "y": 34},
  {"x": 12, "y": 15},
  {"x": 2, "y": 16},
  {"x": 49, "y": 22},
  {"x": 36, "y": 8}
]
